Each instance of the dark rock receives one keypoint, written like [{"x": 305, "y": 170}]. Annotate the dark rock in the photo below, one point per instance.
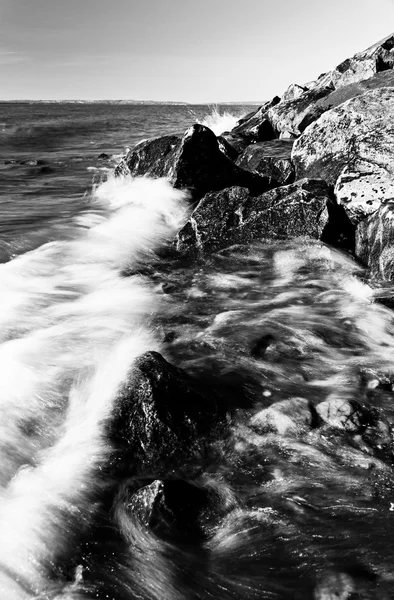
[
  {"x": 375, "y": 243},
  {"x": 288, "y": 417},
  {"x": 256, "y": 126},
  {"x": 237, "y": 143},
  {"x": 270, "y": 159},
  {"x": 103, "y": 156},
  {"x": 352, "y": 146},
  {"x": 10, "y": 162},
  {"x": 195, "y": 163},
  {"x": 162, "y": 418},
  {"x": 232, "y": 216},
  {"x": 227, "y": 148},
  {"x": 177, "y": 509},
  {"x": 150, "y": 157}
]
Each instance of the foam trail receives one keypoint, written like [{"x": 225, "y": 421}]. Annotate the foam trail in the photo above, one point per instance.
[
  {"x": 69, "y": 315},
  {"x": 220, "y": 122}
]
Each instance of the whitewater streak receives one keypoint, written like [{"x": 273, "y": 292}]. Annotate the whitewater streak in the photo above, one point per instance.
[{"x": 70, "y": 327}]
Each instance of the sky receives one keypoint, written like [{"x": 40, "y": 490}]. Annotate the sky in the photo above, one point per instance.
[{"x": 178, "y": 50}]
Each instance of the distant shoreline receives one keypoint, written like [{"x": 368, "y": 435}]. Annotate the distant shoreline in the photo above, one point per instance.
[{"x": 132, "y": 102}]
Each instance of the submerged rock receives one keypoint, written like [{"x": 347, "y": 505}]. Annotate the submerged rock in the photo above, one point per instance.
[
  {"x": 162, "y": 418},
  {"x": 232, "y": 216},
  {"x": 270, "y": 159},
  {"x": 288, "y": 417},
  {"x": 195, "y": 163}
]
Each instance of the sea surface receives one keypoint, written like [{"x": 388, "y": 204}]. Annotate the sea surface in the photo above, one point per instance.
[{"x": 304, "y": 505}]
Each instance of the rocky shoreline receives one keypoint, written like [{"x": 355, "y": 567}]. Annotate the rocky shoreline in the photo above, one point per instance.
[{"x": 325, "y": 147}]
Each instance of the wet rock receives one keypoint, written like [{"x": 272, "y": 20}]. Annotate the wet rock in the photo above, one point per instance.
[
  {"x": 177, "y": 509},
  {"x": 341, "y": 414},
  {"x": 195, "y": 163},
  {"x": 10, "y": 162},
  {"x": 236, "y": 142},
  {"x": 232, "y": 216},
  {"x": 270, "y": 159},
  {"x": 357, "y": 136},
  {"x": 375, "y": 243},
  {"x": 150, "y": 157},
  {"x": 162, "y": 418},
  {"x": 227, "y": 148},
  {"x": 103, "y": 156},
  {"x": 257, "y": 126},
  {"x": 288, "y": 417}
]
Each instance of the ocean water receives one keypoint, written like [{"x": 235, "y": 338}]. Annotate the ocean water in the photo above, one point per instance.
[{"x": 85, "y": 286}]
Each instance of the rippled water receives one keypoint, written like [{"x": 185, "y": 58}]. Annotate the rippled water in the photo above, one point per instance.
[{"x": 293, "y": 505}]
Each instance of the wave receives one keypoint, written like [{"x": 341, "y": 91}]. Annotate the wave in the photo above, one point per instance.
[{"x": 220, "y": 122}]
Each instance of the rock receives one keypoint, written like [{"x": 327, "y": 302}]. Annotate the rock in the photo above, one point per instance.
[
  {"x": 375, "y": 243},
  {"x": 177, "y": 509},
  {"x": 200, "y": 166},
  {"x": 150, "y": 157},
  {"x": 356, "y": 135},
  {"x": 362, "y": 188},
  {"x": 341, "y": 414},
  {"x": 288, "y": 417},
  {"x": 162, "y": 418},
  {"x": 256, "y": 126},
  {"x": 237, "y": 143},
  {"x": 341, "y": 95},
  {"x": 290, "y": 117},
  {"x": 365, "y": 64},
  {"x": 227, "y": 148},
  {"x": 195, "y": 163},
  {"x": 293, "y": 91},
  {"x": 270, "y": 159},
  {"x": 103, "y": 156},
  {"x": 232, "y": 216}
]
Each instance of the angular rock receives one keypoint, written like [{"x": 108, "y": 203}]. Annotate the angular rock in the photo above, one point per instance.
[
  {"x": 341, "y": 414},
  {"x": 195, "y": 163},
  {"x": 256, "y": 126},
  {"x": 375, "y": 242},
  {"x": 290, "y": 117},
  {"x": 237, "y": 143},
  {"x": 162, "y": 418},
  {"x": 293, "y": 91},
  {"x": 356, "y": 134},
  {"x": 232, "y": 216},
  {"x": 288, "y": 417},
  {"x": 150, "y": 157},
  {"x": 227, "y": 148},
  {"x": 270, "y": 159},
  {"x": 365, "y": 64}
]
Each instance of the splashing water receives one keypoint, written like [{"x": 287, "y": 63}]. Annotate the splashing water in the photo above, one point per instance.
[
  {"x": 220, "y": 122},
  {"x": 302, "y": 513}
]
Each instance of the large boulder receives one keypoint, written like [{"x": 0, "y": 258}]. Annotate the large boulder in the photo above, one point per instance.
[
  {"x": 270, "y": 159},
  {"x": 195, "y": 163},
  {"x": 375, "y": 243},
  {"x": 290, "y": 117},
  {"x": 150, "y": 157},
  {"x": 232, "y": 216},
  {"x": 162, "y": 419},
  {"x": 354, "y": 138},
  {"x": 256, "y": 126}
]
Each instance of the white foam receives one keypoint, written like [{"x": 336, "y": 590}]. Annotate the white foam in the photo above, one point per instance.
[{"x": 220, "y": 122}]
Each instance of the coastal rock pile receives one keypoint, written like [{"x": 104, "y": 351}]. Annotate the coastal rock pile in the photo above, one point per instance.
[{"x": 318, "y": 162}]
